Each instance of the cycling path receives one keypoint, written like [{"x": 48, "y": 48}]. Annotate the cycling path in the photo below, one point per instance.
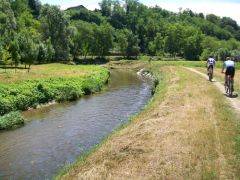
[{"x": 235, "y": 103}]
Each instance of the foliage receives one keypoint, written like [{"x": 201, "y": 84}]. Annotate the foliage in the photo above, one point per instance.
[
  {"x": 11, "y": 121},
  {"x": 54, "y": 24},
  {"x": 124, "y": 27}
]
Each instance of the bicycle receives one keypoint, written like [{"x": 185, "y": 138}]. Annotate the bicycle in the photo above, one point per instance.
[
  {"x": 210, "y": 74},
  {"x": 229, "y": 86}
]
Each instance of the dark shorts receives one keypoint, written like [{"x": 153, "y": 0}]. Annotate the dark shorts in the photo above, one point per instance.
[
  {"x": 230, "y": 72},
  {"x": 210, "y": 67}
]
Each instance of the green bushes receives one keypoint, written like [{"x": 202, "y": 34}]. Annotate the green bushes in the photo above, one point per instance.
[
  {"x": 11, "y": 121},
  {"x": 30, "y": 93}
]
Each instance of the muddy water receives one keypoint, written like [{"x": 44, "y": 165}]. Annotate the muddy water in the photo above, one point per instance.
[{"x": 54, "y": 136}]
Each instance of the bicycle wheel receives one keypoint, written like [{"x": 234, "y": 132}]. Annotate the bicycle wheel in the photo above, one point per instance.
[
  {"x": 231, "y": 88},
  {"x": 210, "y": 74}
]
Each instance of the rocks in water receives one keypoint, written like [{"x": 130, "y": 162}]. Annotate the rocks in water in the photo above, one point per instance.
[{"x": 146, "y": 74}]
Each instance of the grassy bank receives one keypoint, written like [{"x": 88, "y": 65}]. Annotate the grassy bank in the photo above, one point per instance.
[
  {"x": 187, "y": 131},
  {"x": 45, "y": 83}
]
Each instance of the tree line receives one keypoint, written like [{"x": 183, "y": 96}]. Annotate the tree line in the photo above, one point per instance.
[{"x": 34, "y": 33}]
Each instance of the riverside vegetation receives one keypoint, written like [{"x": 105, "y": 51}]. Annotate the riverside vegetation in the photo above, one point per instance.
[{"x": 54, "y": 82}]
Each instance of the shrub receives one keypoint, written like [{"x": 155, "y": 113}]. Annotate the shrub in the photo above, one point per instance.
[{"x": 11, "y": 121}]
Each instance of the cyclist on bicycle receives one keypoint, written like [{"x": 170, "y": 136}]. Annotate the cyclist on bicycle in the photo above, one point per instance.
[
  {"x": 210, "y": 63},
  {"x": 229, "y": 65}
]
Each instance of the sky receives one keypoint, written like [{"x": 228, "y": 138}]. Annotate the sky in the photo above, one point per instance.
[{"x": 229, "y": 8}]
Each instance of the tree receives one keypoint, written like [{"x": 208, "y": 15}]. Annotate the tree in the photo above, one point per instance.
[
  {"x": 50, "y": 51},
  {"x": 55, "y": 27},
  {"x": 122, "y": 41},
  {"x": 35, "y": 6},
  {"x": 118, "y": 18},
  {"x": 8, "y": 23},
  {"x": 29, "y": 49},
  {"x": 106, "y": 7},
  {"x": 132, "y": 49},
  {"x": 223, "y": 53},
  {"x": 128, "y": 43},
  {"x": 14, "y": 51},
  {"x": 5, "y": 56},
  {"x": 173, "y": 42},
  {"x": 156, "y": 47},
  {"x": 192, "y": 47},
  {"x": 103, "y": 40}
]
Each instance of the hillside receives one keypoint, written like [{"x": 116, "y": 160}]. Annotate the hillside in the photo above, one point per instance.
[
  {"x": 159, "y": 31},
  {"x": 31, "y": 32}
]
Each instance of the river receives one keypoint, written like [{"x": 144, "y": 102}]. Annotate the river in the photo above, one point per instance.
[{"x": 55, "y": 136}]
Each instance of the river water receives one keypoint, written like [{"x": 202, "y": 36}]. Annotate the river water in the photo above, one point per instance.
[{"x": 55, "y": 136}]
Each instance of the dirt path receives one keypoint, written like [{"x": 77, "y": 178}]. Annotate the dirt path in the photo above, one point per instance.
[
  {"x": 235, "y": 103},
  {"x": 186, "y": 133}
]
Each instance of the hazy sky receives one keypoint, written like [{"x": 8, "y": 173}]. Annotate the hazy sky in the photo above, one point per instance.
[{"x": 230, "y": 8}]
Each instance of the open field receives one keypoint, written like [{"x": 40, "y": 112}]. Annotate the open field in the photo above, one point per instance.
[
  {"x": 54, "y": 70},
  {"x": 55, "y": 82},
  {"x": 188, "y": 130}
]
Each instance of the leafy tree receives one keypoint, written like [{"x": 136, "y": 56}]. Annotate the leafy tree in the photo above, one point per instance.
[
  {"x": 103, "y": 40},
  {"x": 5, "y": 56},
  {"x": 156, "y": 47},
  {"x": 7, "y": 21},
  {"x": 174, "y": 40},
  {"x": 50, "y": 51},
  {"x": 14, "y": 51},
  {"x": 192, "y": 47},
  {"x": 118, "y": 18},
  {"x": 55, "y": 26},
  {"x": 35, "y": 6},
  {"x": 106, "y": 7},
  {"x": 29, "y": 49},
  {"x": 223, "y": 53},
  {"x": 122, "y": 40},
  {"x": 132, "y": 48}
]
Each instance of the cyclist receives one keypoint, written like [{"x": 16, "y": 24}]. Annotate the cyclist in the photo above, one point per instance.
[
  {"x": 210, "y": 63},
  {"x": 229, "y": 65}
]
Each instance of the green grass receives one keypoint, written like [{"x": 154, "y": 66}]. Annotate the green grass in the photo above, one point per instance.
[
  {"x": 11, "y": 121},
  {"x": 47, "y": 83},
  {"x": 185, "y": 63},
  {"x": 48, "y": 71}
]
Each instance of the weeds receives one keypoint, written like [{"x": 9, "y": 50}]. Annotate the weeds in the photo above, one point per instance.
[{"x": 11, "y": 121}]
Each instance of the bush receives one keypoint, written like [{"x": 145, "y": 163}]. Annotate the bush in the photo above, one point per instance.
[{"x": 11, "y": 121}]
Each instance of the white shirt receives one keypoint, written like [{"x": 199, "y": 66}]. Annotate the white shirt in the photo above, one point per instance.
[
  {"x": 211, "y": 61},
  {"x": 229, "y": 63}
]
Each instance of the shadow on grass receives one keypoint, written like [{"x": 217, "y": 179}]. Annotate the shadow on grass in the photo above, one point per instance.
[{"x": 234, "y": 96}]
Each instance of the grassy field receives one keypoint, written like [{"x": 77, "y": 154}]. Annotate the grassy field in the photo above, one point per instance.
[
  {"x": 188, "y": 130},
  {"x": 54, "y": 82},
  {"x": 47, "y": 71}
]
